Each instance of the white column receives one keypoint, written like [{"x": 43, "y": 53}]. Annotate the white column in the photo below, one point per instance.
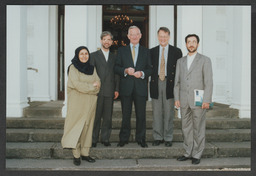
[
  {"x": 160, "y": 16},
  {"x": 242, "y": 61},
  {"x": 53, "y": 51},
  {"x": 84, "y": 30},
  {"x": 16, "y": 61},
  {"x": 189, "y": 21},
  {"x": 94, "y": 29}
]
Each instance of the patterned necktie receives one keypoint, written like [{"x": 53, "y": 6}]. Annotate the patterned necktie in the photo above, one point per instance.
[
  {"x": 162, "y": 67},
  {"x": 133, "y": 53}
]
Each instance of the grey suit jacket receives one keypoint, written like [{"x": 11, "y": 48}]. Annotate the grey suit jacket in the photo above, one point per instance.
[
  {"x": 199, "y": 76},
  {"x": 105, "y": 70}
]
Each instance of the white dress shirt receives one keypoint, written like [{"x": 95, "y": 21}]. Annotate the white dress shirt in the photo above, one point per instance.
[
  {"x": 106, "y": 54},
  {"x": 190, "y": 59}
]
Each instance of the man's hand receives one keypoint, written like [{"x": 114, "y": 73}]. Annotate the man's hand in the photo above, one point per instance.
[
  {"x": 137, "y": 74},
  {"x": 116, "y": 95},
  {"x": 177, "y": 104},
  {"x": 205, "y": 105},
  {"x": 129, "y": 71}
]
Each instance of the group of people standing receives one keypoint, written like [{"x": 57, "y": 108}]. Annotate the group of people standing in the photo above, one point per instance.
[{"x": 95, "y": 80}]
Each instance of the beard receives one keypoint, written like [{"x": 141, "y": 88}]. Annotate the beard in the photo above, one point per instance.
[
  {"x": 192, "y": 50},
  {"x": 106, "y": 46}
]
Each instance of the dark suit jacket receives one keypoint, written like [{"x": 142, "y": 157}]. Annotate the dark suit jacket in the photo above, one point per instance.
[
  {"x": 173, "y": 55},
  {"x": 129, "y": 83},
  {"x": 105, "y": 70}
]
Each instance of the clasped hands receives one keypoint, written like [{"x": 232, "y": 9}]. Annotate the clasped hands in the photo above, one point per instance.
[
  {"x": 131, "y": 71},
  {"x": 96, "y": 84}
]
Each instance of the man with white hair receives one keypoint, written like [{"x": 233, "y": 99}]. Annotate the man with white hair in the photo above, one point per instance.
[{"x": 134, "y": 67}]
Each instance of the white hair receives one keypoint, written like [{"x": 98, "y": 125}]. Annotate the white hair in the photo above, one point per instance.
[{"x": 133, "y": 27}]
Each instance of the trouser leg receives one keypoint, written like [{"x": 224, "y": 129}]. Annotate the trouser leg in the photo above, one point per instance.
[
  {"x": 157, "y": 119},
  {"x": 77, "y": 151},
  {"x": 126, "y": 102},
  {"x": 140, "y": 111},
  {"x": 187, "y": 130},
  {"x": 97, "y": 121},
  {"x": 168, "y": 119},
  {"x": 107, "y": 119},
  {"x": 198, "y": 132}
]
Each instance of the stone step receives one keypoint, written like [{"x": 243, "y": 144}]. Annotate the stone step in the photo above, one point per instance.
[
  {"x": 212, "y": 113},
  {"x": 55, "y": 135},
  {"x": 58, "y": 123},
  {"x": 207, "y": 164},
  {"x": 54, "y": 109},
  {"x": 130, "y": 151},
  {"x": 43, "y": 109}
]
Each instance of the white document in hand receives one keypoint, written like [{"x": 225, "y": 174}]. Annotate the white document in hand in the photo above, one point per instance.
[{"x": 199, "y": 95}]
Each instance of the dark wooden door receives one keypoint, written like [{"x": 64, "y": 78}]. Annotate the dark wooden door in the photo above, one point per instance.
[{"x": 61, "y": 70}]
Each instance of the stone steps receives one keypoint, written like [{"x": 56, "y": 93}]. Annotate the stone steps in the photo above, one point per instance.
[
  {"x": 53, "y": 150},
  {"x": 36, "y": 137},
  {"x": 54, "y": 109},
  {"x": 58, "y": 123},
  {"x": 55, "y": 135}
]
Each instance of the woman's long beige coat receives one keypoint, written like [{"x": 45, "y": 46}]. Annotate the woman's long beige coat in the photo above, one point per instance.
[{"x": 81, "y": 107}]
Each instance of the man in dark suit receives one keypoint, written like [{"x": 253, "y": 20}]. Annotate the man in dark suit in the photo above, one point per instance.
[
  {"x": 104, "y": 62},
  {"x": 163, "y": 59},
  {"x": 134, "y": 67}
]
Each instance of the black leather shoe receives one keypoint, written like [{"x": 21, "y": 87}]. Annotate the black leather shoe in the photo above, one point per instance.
[
  {"x": 121, "y": 144},
  {"x": 88, "y": 158},
  {"x": 94, "y": 144},
  {"x": 182, "y": 158},
  {"x": 168, "y": 144},
  {"x": 106, "y": 143},
  {"x": 76, "y": 161},
  {"x": 143, "y": 143},
  {"x": 195, "y": 161},
  {"x": 156, "y": 143}
]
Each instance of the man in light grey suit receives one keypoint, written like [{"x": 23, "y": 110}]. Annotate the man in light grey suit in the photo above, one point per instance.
[
  {"x": 193, "y": 71},
  {"x": 104, "y": 62}
]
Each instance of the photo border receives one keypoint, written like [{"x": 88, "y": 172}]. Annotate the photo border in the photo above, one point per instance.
[{"x": 3, "y": 62}]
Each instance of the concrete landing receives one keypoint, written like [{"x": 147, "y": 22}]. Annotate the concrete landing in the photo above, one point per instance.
[{"x": 207, "y": 164}]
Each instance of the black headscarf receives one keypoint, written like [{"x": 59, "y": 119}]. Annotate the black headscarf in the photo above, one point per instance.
[{"x": 85, "y": 68}]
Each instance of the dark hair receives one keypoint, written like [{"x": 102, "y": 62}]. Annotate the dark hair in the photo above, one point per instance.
[
  {"x": 105, "y": 33},
  {"x": 192, "y": 35},
  {"x": 165, "y": 29}
]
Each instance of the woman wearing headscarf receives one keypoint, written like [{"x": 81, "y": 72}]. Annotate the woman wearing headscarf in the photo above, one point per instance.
[{"x": 82, "y": 89}]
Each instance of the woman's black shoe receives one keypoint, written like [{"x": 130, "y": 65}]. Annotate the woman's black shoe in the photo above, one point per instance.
[
  {"x": 88, "y": 158},
  {"x": 77, "y": 161}
]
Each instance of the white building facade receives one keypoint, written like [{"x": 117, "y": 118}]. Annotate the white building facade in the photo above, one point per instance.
[{"x": 32, "y": 45}]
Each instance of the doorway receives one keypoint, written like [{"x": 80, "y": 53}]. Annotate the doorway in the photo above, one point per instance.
[
  {"x": 61, "y": 70},
  {"x": 118, "y": 18}
]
